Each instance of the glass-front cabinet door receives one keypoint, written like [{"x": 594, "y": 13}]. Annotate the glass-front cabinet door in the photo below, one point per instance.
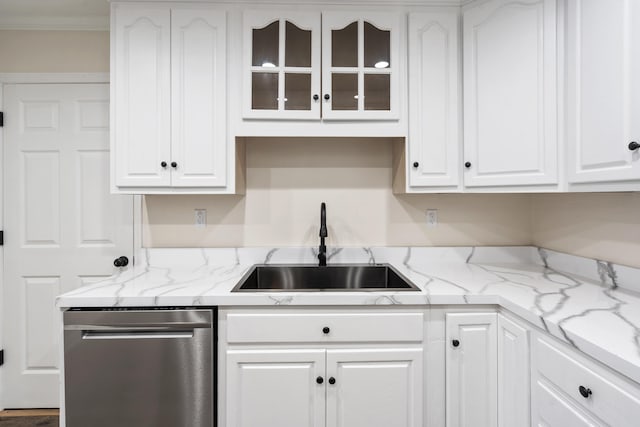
[
  {"x": 281, "y": 65},
  {"x": 360, "y": 63}
]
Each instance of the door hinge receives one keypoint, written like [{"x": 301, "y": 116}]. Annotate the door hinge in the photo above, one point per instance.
[
  {"x": 1, "y": 357},
  {"x": 1, "y": 119}
]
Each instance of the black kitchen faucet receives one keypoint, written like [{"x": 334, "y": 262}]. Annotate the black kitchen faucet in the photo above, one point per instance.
[{"x": 322, "y": 254}]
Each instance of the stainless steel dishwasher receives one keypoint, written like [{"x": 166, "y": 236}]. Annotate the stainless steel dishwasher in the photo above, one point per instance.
[{"x": 140, "y": 368}]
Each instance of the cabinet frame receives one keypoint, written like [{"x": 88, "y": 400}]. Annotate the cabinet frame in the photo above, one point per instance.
[{"x": 410, "y": 354}]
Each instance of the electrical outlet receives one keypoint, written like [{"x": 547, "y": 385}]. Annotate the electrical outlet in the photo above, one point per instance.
[
  {"x": 200, "y": 217},
  {"x": 432, "y": 218}
]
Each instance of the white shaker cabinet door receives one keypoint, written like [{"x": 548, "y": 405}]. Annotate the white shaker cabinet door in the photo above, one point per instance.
[
  {"x": 198, "y": 85},
  {"x": 603, "y": 90},
  {"x": 510, "y": 100},
  {"x": 374, "y": 387},
  {"x": 434, "y": 137},
  {"x": 471, "y": 364},
  {"x": 275, "y": 388},
  {"x": 514, "y": 373},
  {"x": 140, "y": 93}
]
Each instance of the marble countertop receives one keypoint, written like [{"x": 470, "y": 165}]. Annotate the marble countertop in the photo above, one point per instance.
[{"x": 590, "y": 304}]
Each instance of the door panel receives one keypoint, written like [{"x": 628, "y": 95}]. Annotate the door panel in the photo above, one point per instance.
[
  {"x": 275, "y": 388},
  {"x": 142, "y": 89},
  {"x": 510, "y": 108},
  {"x": 63, "y": 228},
  {"x": 198, "y": 98},
  {"x": 374, "y": 388},
  {"x": 471, "y": 351},
  {"x": 603, "y": 91},
  {"x": 434, "y": 100},
  {"x": 514, "y": 374}
]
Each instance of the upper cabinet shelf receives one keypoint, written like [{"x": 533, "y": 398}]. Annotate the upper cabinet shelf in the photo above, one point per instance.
[{"x": 355, "y": 76}]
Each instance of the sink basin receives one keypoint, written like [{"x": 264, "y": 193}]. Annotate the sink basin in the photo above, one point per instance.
[{"x": 274, "y": 278}]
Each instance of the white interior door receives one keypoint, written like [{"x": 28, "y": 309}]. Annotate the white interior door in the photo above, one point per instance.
[{"x": 63, "y": 228}]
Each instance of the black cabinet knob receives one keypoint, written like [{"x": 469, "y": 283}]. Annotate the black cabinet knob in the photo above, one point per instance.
[
  {"x": 122, "y": 261},
  {"x": 163, "y": 164},
  {"x": 316, "y": 97},
  {"x": 332, "y": 380},
  {"x": 326, "y": 330},
  {"x": 174, "y": 165},
  {"x": 416, "y": 164},
  {"x": 633, "y": 146},
  {"x": 585, "y": 392},
  {"x": 455, "y": 343},
  {"x": 319, "y": 380},
  {"x": 326, "y": 96},
  {"x": 467, "y": 165}
]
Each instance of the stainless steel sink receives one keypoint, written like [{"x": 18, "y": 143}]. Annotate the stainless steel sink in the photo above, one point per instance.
[{"x": 278, "y": 278}]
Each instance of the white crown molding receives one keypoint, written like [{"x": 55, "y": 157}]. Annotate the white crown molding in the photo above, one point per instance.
[
  {"x": 312, "y": 2},
  {"x": 79, "y": 23}
]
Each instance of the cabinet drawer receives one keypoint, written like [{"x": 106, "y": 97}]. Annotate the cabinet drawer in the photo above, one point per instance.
[
  {"x": 556, "y": 410},
  {"x": 611, "y": 399},
  {"x": 324, "y": 327}
]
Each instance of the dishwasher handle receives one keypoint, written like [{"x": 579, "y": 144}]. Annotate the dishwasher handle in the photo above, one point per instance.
[{"x": 133, "y": 334}]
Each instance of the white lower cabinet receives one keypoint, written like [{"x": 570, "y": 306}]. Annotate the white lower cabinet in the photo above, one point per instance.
[
  {"x": 471, "y": 369},
  {"x": 571, "y": 390},
  {"x": 328, "y": 377},
  {"x": 348, "y": 368},
  {"x": 276, "y": 388},
  {"x": 374, "y": 387},
  {"x": 514, "y": 373}
]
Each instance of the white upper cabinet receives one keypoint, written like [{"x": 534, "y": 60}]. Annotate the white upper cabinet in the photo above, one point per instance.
[
  {"x": 282, "y": 65},
  {"x": 141, "y": 95},
  {"x": 198, "y": 85},
  {"x": 169, "y": 98},
  {"x": 354, "y": 76},
  {"x": 434, "y": 119},
  {"x": 510, "y": 104},
  {"x": 603, "y": 90},
  {"x": 360, "y": 63}
]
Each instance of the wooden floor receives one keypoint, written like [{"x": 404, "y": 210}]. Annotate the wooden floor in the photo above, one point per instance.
[{"x": 29, "y": 413}]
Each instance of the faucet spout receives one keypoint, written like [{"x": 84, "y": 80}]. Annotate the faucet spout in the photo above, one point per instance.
[{"x": 322, "y": 252}]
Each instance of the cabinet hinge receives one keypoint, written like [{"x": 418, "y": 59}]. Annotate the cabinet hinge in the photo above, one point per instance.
[
  {"x": 1, "y": 237},
  {"x": 1, "y": 357},
  {"x": 1, "y": 119}
]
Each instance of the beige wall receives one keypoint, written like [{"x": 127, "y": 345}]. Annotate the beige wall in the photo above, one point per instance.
[
  {"x": 288, "y": 179},
  {"x": 54, "y": 51},
  {"x": 604, "y": 226}
]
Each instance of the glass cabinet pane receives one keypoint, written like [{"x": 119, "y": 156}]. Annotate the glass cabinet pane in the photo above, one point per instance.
[
  {"x": 297, "y": 46},
  {"x": 377, "y": 44},
  {"x": 344, "y": 46},
  {"x": 264, "y": 91},
  {"x": 265, "y": 45},
  {"x": 377, "y": 92},
  {"x": 344, "y": 88},
  {"x": 297, "y": 91}
]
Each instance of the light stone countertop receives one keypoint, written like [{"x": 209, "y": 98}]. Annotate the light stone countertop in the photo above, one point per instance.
[{"x": 592, "y": 305}]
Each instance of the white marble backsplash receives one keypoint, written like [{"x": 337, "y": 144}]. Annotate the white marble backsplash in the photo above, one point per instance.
[{"x": 608, "y": 274}]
